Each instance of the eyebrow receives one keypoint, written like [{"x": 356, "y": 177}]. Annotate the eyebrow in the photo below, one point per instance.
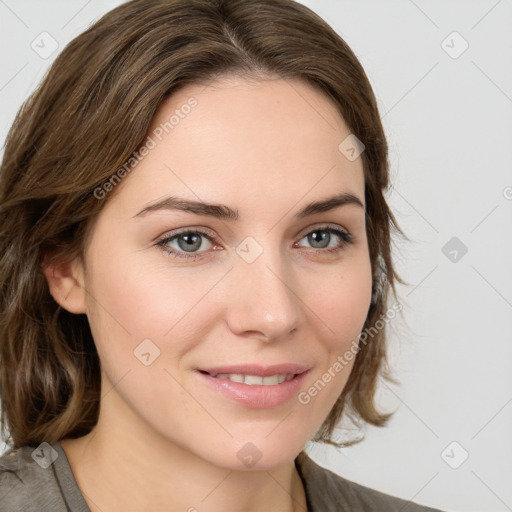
[{"x": 221, "y": 211}]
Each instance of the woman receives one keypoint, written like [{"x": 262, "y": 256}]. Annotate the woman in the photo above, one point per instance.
[{"x": 195, "y": 245}]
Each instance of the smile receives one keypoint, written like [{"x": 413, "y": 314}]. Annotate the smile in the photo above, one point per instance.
[
  {"x": 252, "y": 380},
  {"x": 255, "y": 391}
]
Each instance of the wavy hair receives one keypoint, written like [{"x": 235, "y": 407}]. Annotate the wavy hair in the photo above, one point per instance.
[{"x": 89, "y": 114}]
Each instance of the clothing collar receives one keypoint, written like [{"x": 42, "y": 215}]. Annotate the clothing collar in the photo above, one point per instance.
[{"x": 320, "y": 485}]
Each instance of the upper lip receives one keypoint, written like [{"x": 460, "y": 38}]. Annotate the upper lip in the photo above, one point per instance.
[{"x": 254, "y": 369}]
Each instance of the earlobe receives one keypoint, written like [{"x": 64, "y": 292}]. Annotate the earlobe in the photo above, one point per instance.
[{"x": 66, "y": 284}]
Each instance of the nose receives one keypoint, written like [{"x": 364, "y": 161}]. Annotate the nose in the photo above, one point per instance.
[{"x": 263, "y": 300}]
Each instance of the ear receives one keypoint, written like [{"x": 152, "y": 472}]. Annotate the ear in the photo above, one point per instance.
[{"x": 66, "y": 283}]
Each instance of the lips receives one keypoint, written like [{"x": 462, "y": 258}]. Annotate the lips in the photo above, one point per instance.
[{"x": 251, "y": 394}]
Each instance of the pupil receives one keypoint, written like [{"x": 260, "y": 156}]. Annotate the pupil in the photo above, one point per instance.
[
  {"x": 192, "y": 242},
  {"x": 320, "y": 236}
]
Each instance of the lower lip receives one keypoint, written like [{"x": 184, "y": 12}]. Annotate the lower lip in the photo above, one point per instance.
[{"x": 257, "y": 396}]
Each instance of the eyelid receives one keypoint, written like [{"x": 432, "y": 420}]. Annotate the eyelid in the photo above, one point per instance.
[
  {"x": 346, "y": 238},
  {"x": 213, "y": 237},
  {"x": 188, "y": 229},
  {"x": 204, "y": 232},
  {"x": 322, "y": 226}
]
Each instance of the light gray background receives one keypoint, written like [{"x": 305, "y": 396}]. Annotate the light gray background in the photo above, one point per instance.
[{"x": 449, "y": 125}]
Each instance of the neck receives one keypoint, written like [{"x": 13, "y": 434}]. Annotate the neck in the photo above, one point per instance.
[{"x": 121, "y": 469}]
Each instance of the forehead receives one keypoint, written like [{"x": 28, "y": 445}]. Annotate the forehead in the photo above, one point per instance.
[{"x": 269, "y": 139}]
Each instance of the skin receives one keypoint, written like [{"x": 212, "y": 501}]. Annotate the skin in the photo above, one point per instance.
[{"x": 165, "y": 440}]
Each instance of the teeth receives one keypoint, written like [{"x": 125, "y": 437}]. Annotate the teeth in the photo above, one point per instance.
[
  {"x": 251, "y": 380},
  {"x": 235, "y": 377}
]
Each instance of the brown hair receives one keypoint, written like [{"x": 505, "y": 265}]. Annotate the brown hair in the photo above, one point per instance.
[{"x": 89, "y": 114}]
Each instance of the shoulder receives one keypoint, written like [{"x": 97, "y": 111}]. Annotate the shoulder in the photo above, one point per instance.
[
  {"x": 28, "y": 482},
  {"x": 327, "y": 491}
]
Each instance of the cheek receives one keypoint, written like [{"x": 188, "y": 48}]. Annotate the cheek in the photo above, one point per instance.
[
  {"x": 140, "y": 298},
  {"x": 342, "y": 301},
  {"x": 131, "y": 300},
  {"x": 341, "y": 305},
  {"x": 131, "y": 303}
]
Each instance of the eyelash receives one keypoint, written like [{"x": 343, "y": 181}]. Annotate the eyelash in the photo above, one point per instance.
[{"x": 345, "y": 239}]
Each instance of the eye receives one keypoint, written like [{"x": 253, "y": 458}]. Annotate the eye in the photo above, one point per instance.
[
  {"x": 322, "y": 237},
  {"x": 188, "y": 243}
]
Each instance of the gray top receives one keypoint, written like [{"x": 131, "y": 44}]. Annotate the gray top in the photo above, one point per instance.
[{"x": 40, "y": 480}]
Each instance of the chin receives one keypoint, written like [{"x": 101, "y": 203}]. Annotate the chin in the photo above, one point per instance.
[{"x": 258, "y": 453}]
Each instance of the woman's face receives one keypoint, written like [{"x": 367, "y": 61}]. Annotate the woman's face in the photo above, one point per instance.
[{"x": 264, "y": 286}]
